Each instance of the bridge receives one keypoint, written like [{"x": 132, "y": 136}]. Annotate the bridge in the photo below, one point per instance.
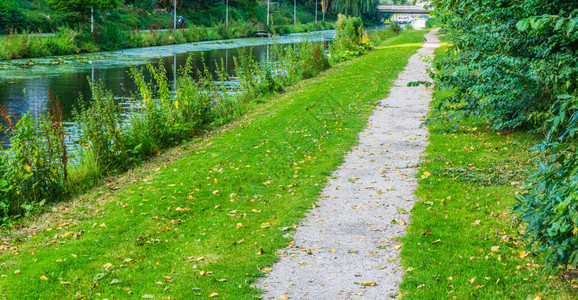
[{"x": 402, "y": 9}]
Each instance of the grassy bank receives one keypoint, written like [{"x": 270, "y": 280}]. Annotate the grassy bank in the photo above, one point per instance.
[
  {"x": 111, "y": 37},
  {"x": 208, "y": 217},
  {"x": 462, "y": 242}
]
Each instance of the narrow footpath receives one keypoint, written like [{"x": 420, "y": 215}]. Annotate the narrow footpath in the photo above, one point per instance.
[{"x": 347, "y": 245}]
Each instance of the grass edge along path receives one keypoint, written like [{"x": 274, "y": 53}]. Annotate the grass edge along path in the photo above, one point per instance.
[
  {"x": 461, "y": 242},
  {"x": 208, "y": 223}
]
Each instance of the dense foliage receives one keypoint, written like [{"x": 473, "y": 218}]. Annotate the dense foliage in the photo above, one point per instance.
[{"x": 515, "y": 65}]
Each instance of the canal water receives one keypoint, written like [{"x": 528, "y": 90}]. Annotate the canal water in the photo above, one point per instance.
[{"x": 28, "y": 85}]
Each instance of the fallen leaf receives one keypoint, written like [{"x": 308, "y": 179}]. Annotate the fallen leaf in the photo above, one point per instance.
[
  {"x": 65, "y": 283},
  {"x": 17, "y": 272},
  {"x": 368, "y": 283},
  {"x": 260, "y": 252},
  {"x": 436, "y": 241},
  {"x": 239, "y": 225},
  {"x": 43, "y": 277},
  {"x": 495, "y": 248},
  {"x": 396, "y": 247},
  {"x": 332, "y": 250},
  {"x": 284, "y": 297}
]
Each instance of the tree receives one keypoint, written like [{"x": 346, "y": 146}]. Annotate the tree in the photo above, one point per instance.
[
  {"x": 83, "y": 6},
  {"x": 355, "y": 8}
]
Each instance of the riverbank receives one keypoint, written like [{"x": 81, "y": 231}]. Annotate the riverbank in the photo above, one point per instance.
[
  {"x": 207, "y": 217},
  {"x": 69, "y": 41}
]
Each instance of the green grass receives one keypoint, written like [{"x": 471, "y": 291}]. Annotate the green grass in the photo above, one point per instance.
[
  {"x": 206, "y": 217},
  {"x": 462, "y": 242}
]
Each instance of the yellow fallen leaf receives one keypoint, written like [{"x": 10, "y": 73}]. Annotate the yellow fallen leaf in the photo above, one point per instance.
[
  {"x": 213, "y": 295},
  {"x": 393, "y": 259},
  {"x": 65, "y": 283},
  {"x": 426, "y": 175},
  {"x": 523, "y": 254},
  {"x": 495, "y": 248},
  {"x": 396, "y": 247},
  {"x": 356, "y": 207},
  {"x": 239, "y": 225},
  {"x": 43, "y": 277},
  {"x": 108, "y": 265},
  {"x": 17, "y": 272},
  {"x": 284, "y": 297},
  {"x": 368, "y": 283},
  {"x": 332, "y": 250},
  {"x": 436, "y": 241}
]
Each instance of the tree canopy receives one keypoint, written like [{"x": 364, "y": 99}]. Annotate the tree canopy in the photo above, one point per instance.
[
  {"x": 83, "y": 6},
  {"x": 355, "y": 8}
]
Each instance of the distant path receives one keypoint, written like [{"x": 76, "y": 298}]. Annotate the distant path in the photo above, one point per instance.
[{"x": 348, "y": 239}]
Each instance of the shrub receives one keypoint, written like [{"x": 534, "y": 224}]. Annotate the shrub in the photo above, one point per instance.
[
  {"x": 100, "y": 128},
  {"x": 34, "y": 168},
  {"x": 515, "y": 68}
]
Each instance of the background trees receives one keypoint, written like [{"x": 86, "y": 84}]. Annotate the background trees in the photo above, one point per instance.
[{"x": 82, "y": 7}]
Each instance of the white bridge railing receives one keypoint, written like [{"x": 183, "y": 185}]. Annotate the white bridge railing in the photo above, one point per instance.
[{"x": 402, "y": 9}]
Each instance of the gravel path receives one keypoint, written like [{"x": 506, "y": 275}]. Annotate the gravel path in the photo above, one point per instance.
[{"x": 347, "y": 247}]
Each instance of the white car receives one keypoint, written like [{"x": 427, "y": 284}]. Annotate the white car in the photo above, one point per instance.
[{"x": 403, "y": 19}]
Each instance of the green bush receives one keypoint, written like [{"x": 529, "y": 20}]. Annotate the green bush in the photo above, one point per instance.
[
  {"x": 100, "y": 128},
  {"x": 350, "y": 39},
  {"x": 34, "y": 168},
  {"x": 11, "y": 16},
  {"x": 515, "y": 67}
]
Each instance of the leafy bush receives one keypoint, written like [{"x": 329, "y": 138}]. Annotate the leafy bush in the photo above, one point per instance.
[
  {"x": 100, "y": 128},
  {"x": 34, "y": 168},
  {"x": 11, "y": 16},
  {"x": 350, "y": 39},
  {"x": 514, "y": 66}
]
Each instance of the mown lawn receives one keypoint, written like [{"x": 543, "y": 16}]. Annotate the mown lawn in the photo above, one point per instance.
[
  {"x": 205, "y": 218},
  {"x": 462, "y": 242}
]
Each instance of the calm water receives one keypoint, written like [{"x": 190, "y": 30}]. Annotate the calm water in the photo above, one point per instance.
[{"x": 28, "y": 85}]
